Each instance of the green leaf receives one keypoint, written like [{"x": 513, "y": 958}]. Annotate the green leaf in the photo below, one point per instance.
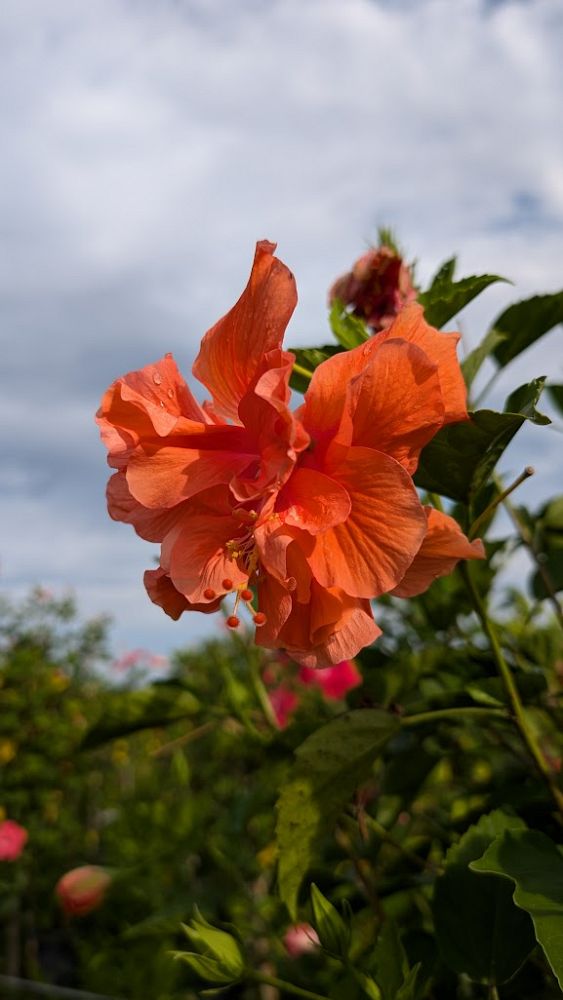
[
  {"x": 329, "y": 765},
  {"x": 221, "y": 946},
  {"x": 444, "y": 275},
  {"x": 206, "y": 968},
  {"x": 389, "y": 964},
  {"x": 349, "y": 330},
  {"x": 533, "y": 863},
  {"x": 459, "y": 460},
  {"x": 525, "y": 322},
  {"x": 333, "y": 933},
  {"x": 556, "y": 395},
  {"x": 125, "y": 712},
  {"x": 479, "y": 930},
  {"x": 445, "y": 297},
  {"x": 472, "y": 363},
  {"x": 410, "y": 990},
  {"x": 306, "y": 360}
]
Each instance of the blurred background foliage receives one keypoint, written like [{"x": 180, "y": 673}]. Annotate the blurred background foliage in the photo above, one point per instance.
[{"x": 172, "y": 787}]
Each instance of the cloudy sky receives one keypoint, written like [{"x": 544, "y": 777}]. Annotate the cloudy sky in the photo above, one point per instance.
[{"x": 147, "y": 144}]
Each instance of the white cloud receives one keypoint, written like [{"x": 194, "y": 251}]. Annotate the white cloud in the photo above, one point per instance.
[{"x": 150, "y": 144}]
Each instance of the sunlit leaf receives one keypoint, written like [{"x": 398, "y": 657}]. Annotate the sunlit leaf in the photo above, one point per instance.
[
  {"x": 525, "y": 322},
  {"x": 330, "y": 765}
]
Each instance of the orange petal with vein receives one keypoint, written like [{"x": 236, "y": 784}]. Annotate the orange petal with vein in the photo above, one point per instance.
[
  {"x": 443, "y": 546},
  {"x": 232, "y": 351}
]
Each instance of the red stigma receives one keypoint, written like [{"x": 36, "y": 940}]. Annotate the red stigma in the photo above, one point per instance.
[
  {"x": 227, "y": 584},
  {"x": 209, "y": 594},
  {"x": 233, "y": 621},
  {"x": 259, "y": 619},
  {"x": 246, "y": 595}
]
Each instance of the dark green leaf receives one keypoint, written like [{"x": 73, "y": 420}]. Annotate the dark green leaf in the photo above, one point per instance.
[
  {"x": 552, "y": 562},
  {"x": 556, "y": 396},
  {"x": 459, "y": 460},
  {"x": 534, "y": 864},
  {"x": 126, "y": 712},
  {"x": 444, "y": 275},
  {"x": 479, "y": 930},
  {"x": 389, "y": 965},
  {"x": 306, "y": 360},
  {"x": 349, "y": 330},
  {"x": 445, "y": 298},
  {"x": 472, "y": 363},
  {"x": 525, "y": 322},
  {"x": 330, "y": 764},
  {"x": 333, "y": 933}
]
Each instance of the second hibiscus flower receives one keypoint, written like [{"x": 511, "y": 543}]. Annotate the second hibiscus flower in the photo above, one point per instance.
[{"x": 314, "y": 511}]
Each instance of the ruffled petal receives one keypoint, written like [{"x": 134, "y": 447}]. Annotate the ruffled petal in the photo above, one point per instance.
[
  {"x": 312, "y": 501},
  {"x": 162, "y": 591},
  {"x": 443, "y": 546},
  {"x": 196, "y": 557},
  {"x": 370, "y": 552},
  {"x": 395, "y": 404},
  {"x": 151, "y": 403},
  {"x": 328, "y": 628},
  {"x": 441, "y": 348},
  {"x": 232, "y": 351},
  {"x": 151, "y": 525},
  {"x": 165, "y": 476}
]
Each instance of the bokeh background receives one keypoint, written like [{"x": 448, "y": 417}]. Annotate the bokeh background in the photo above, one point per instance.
[{"x": 147, "y": 144}]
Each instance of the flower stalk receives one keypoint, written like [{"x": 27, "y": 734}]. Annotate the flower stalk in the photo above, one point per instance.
[{"x": 519, "y": 712}]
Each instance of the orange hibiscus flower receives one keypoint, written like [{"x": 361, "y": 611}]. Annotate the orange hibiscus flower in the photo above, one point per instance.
[{"x": 316, "y": 509}]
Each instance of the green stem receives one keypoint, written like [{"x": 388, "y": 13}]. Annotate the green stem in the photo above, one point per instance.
[
  {"x": 454, "y": 715},
  {"x": 262, "y": 695},
  {"x": 299, "y": 370},
  {"x": 527, "y": 734},
  {"x": 493, "y": 992},
  {"x": 296, "y": 991},
  {"x": 501, "y": 497}
]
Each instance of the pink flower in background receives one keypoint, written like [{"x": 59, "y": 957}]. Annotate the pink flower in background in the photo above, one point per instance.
[
  {"x": 334, "y": 682},
  {"x": 284, "y": 702},
  {"x": 13, "y": 839},
  {"x": 377, "y": 287},
  {"x": 300, "y": 939},
  {"x": 139, "y": 658},
  {"x": 83, "y": 889}
]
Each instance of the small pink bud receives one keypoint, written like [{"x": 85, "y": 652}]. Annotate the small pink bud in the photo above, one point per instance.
[
  {"x": 300, "y": 939},
  {"x": 82, "y": 890}
]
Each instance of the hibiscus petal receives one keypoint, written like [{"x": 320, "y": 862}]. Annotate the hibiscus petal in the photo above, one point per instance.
[
  {"x": 232, "y": 351},
  {"x": 312, "y": 501},
  {"x": 441, "y": 348},
  {"x": 154, "y": 401},
  {"x": 152, "y": 525},
  {"x": 395, "y": 404},
  {"x": 370, "y": 552},
  {"x": 196, "y": 558},
  {"x": 334, "y": 682},
  {"x": 443, "y": 546},
  {"x": 165, "y": 476},
  {"x": 162, "y": 591}
]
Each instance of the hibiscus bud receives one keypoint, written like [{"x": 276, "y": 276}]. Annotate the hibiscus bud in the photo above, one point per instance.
[
  {"x": 300, "y": 939},
  {"x": 13, "y": 839},
  {"x": 82, "y": 890},
  {"x": 377, "y": 287}
]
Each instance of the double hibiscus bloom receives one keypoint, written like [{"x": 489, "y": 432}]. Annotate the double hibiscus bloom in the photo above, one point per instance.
[{"x": 314, "y": 511}]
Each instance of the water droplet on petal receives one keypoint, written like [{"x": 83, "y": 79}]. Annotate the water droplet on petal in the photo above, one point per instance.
[
  {"x": 162, "y": 404},
  {"x": 171, "y": 393},
  {"x": 157, "y": 378}
]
